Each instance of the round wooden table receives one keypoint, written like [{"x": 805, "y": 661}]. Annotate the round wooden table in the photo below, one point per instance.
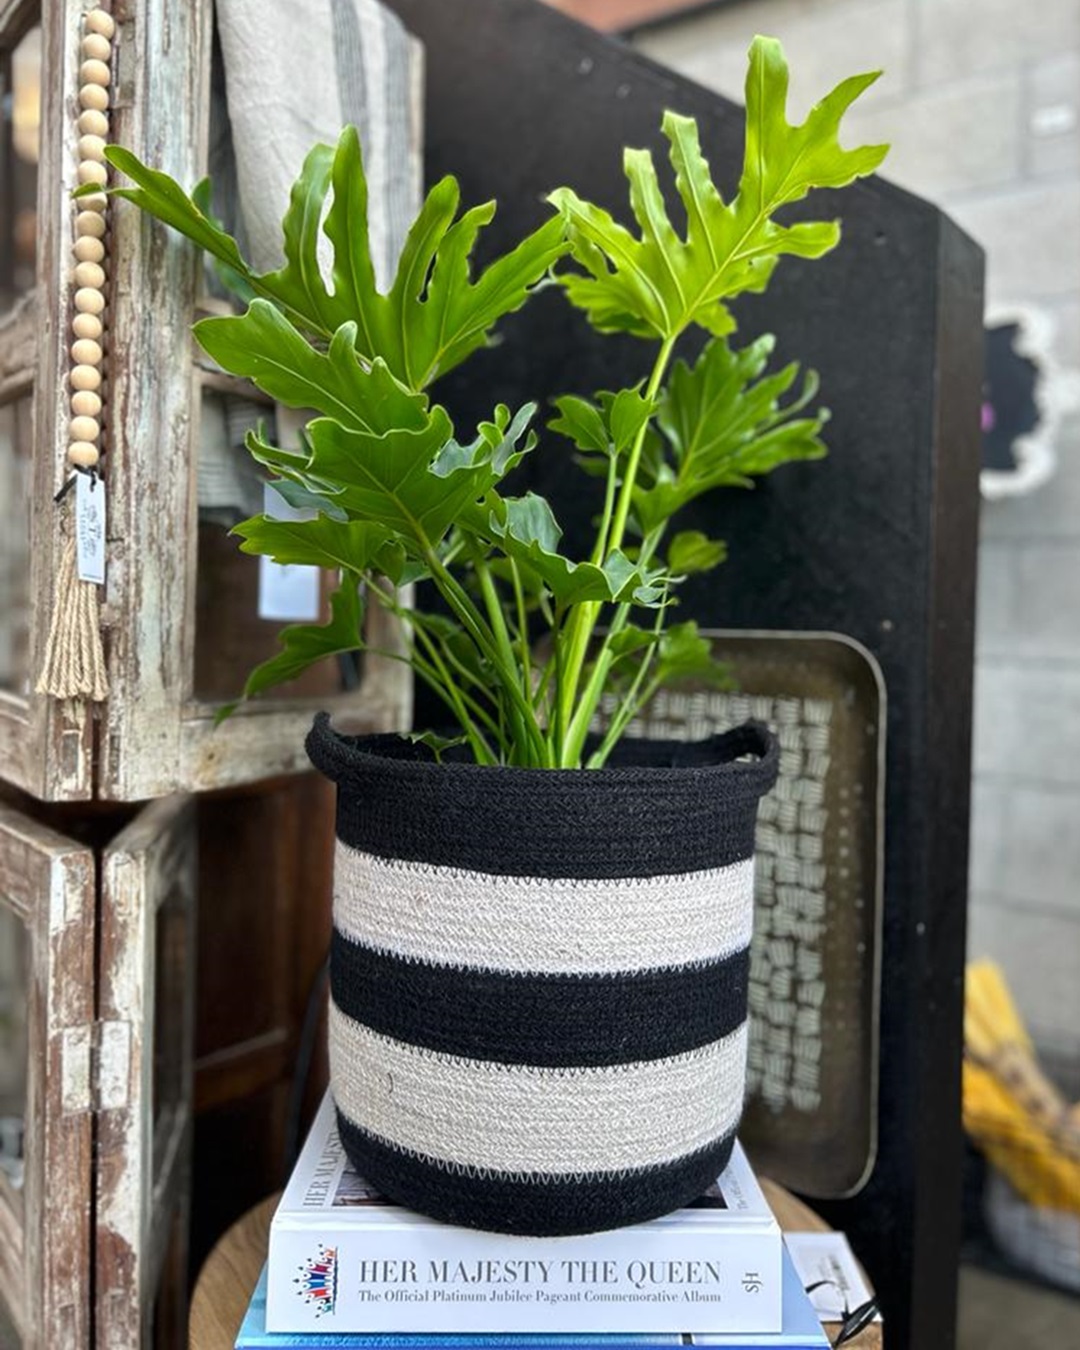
[{"x": 228, "y": 1277}]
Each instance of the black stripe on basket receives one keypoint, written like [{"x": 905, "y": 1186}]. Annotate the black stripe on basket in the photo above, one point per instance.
[
  {"x": 540, "y": 1206},
  {"x": 553, "y": 1020},
  {"x": 674, "y": 807}
]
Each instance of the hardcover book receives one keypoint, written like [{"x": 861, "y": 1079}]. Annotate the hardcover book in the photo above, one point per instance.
[
  {"x": 344, "y": 1259},
  {"x": 801, "y": 1330}
]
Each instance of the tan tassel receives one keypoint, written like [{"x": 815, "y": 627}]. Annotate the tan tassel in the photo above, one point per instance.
[{"x": 74, "y": 665}]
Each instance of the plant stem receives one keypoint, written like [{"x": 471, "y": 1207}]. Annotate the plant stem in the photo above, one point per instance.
[
  {"x": 473, "y": 622},
  {"x": 437, "y": 678},
  {"x": 497, "y": 619},
  {"x": 632, "y": 702},
  {"x": 594, "y": 690},
  {"x": 585, "y": 615},
  {"x": 523, "y": 633}
]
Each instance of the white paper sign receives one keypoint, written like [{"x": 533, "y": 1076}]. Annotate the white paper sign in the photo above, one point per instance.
[
  {"x": 827, "y": 1256},
  {"x": 286, "y": 590},
  {"x": 90, "y": 528}
]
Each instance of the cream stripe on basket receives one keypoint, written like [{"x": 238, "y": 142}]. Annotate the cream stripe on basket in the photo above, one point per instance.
[
  {"x": 520, "y": 1119},
  {"x": 455, "y": 917}
]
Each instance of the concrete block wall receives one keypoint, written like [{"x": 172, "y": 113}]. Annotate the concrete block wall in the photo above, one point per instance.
[{"x": 981, "y": 102}]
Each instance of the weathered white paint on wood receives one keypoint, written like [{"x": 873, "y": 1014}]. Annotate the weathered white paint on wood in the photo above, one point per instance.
[
  {"x": 143, "y": 1153},
  {"x": 45, "y": 1250},
  {"x": 157, "y": 737},
  {"x": 45, "y": 745}
]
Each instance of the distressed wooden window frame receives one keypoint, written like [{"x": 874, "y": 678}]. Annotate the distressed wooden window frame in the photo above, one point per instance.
[
  {"x": 48, "y": 882},
  {"x": 142, "y": 1178},
  {"x": 156, "y": 735},
  {"x": 153, "y": 735},
  {"x": 45, "y": 747}
]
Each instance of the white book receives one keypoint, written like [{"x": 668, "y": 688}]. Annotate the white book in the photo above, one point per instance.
[{"x": 342, "y": 1259}]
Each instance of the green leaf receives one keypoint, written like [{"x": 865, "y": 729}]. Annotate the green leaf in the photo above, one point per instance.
[
  {"x": 685, "y": 655},
  {"x": 581, "y": 422},
  {"x": 529, "y": 533},
  {"x": 691, "y": 551},
  {"x": 411, "y": 483},
  {"x": 434, "y": 314},
  {"x": 264, "y": 347},
  {"x": 355, "y": 545},
  {"x": 725, "y": 426},
  {"x": 303, "y": 643},
  {"x": 680, "y": 653},
  {"x": 303, "y": 499},
  {"x": 235, "y": 282},
  {"x": 607, "y": 429},
  {"x": 162, "y": 197},
  {"x": 625, "y": 413},
  {"x": 437, "y": 744},
  {"x": 657, "y": 284}
]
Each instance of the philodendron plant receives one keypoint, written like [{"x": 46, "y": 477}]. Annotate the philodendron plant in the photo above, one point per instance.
[{"x": 529, "y": 640}]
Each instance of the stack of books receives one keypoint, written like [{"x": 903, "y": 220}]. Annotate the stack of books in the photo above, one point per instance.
[{"x": 347, "y": 1268}]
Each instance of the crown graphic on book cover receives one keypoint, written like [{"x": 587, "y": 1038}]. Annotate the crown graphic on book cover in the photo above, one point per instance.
[{"x": 317, "y": 1281}]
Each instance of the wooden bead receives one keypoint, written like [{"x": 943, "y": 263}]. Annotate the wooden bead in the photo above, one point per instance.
[
  {"x": 90, "y": 223},
  {"x": 99, "y": 21},
  {"x": 85, "y": 377},
  {"x": 94, "y": 96},
  {"x": 97, "y": 46},
  {"x": 88, "y": 249},
  {"x": 95, "y": 72},
  {"x": 84, "y": 429},
  {"x": 90, "y": 274},
  {"x": 86, "y": 352},
  {"x": 92, "y": 147},
  {"x": 97, "y": 201},
  {"x": 89, "y": 300},
  {"x": 90, "y": 171},
  {"x": 93, "y": 123},
  {"x": 83, "y": 454},
  {"x": 87, "y": 326},
  {"x": 85, "y": 403}
]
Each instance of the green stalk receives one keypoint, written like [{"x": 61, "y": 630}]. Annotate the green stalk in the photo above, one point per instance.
[
  {"x": 440, "y": 682},
  {"x": 523, "y": 633},
  {"x": 458, "y": 599},
  {"x": 594, "y": 690},
  {"x": 497, "y": 620},
  {"x": 583, "y": 622},
  {"x": 600, "y": 548},
  {"x": 441, "y": 659},
  {"x": 632, "y": 702}
]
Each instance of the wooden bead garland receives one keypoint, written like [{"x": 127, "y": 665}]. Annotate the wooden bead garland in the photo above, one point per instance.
[
  {"x": 87, "y": 353},
  {"x": 74, "y": 663}
]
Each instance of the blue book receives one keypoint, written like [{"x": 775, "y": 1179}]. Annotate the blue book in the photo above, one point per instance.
[{"x": 801, "y": 1331}]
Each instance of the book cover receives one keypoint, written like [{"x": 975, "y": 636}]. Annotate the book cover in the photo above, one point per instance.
[
  {"x": 343, "y": 1259},
  {"x": 800, "y": 1330}
]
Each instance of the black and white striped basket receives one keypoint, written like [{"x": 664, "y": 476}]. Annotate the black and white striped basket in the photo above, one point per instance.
[{"x": 539, "y": 977}]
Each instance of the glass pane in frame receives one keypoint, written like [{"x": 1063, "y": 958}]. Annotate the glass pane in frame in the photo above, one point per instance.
[
  {"x": 16, "y": 426},
  {"x": 14, "y": 1046},
  {"x": 20, "y": 124},
  {"x": 242, "y": 602}
]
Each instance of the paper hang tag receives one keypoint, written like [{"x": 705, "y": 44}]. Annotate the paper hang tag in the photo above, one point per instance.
[
  {"x": 90, "y": 527},
  {"x": 286, "y": 590},
  {"x": 826, "y": 1260}
]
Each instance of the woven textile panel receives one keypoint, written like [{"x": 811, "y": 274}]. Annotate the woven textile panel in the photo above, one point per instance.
[{"x": 814, "y": 972}]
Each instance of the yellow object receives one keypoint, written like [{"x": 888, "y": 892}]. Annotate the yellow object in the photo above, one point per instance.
[
  {"x": 1018, "y": 1146},
  {"x": 1011, "y": 1109}
]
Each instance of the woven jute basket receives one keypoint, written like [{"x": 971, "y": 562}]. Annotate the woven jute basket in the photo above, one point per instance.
[{"x": 539, "y": 977}]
